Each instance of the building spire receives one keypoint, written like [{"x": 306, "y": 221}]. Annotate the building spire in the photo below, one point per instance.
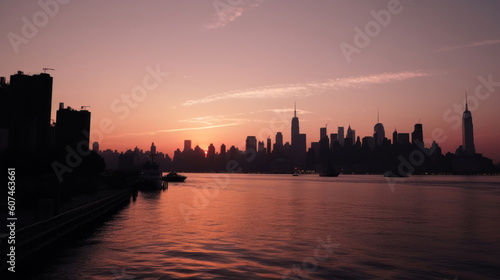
[
  {"x": 294, "y": 109},
  {"x": 466, "y": 105},
  {"x": 378, "y": 119}
]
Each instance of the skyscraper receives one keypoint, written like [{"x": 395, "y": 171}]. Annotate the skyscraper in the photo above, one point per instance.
[
  {"x": 153, "y": 149},
  {"x": 72, "y": 129},
  {"x": 211, "y": 151},
  {"x": 379, "y": 132},
  {"x": 187, "y": 145},
  {"x": 351, "y": 134},
  {"x": 269, "y": 150},
  {"x": 295, "y": 127},
  {"x": 298, "y": 147},
  {"x": 340, "y": 135},
  {"x": 395, "y": 137},
  {"x": 322, "y": 133},
  {"x": 333, "y": 139},
  {"x": 324, "y": 146},
  {"x": 278, "y": 146},
  {"x": 417, "y": 136},
  {"x": 251, "y": 145},
  {"x": 223, "y": 151},
  {"x": 467, "y": 131},
  {"x": 261, "y": 147},
  {"x": 26, "y": 105}
]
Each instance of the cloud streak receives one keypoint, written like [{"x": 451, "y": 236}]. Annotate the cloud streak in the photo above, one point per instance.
[
  {"x": 148, "y": 133},
  {"x": 470, "y": 45},
  {"x": 211, "y": 120},
  {"x": 228, "y": 11},
  {"x": 309, "y": 88},
  {"x": 288, "y": 110}
]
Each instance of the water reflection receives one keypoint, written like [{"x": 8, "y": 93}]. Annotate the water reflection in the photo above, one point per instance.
[{"x": 263, "y": 226}]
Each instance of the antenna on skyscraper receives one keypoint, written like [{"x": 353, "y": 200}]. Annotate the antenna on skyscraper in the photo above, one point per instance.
[
  {"x": 294, "y": 109},
  {"x": 466, "y": 105},
  {"x": 378, "y": 119}
]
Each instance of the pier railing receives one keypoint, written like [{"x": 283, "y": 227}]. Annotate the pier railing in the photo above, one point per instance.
[{"x": 32, "y": 238}]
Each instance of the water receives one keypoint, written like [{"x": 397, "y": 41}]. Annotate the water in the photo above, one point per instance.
[{"x": 247, "y": 226}]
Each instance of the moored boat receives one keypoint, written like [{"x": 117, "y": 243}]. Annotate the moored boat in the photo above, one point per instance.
[
  {"x": 174, "y": 177},
  {"x": 150, "y": 177},
  {"x": 329, "y": 173}
]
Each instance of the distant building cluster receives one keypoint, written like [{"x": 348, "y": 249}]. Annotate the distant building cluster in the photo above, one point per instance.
[
  {"x": 26, "y": 128},
  {"x": 343, "y": 151},
  {"x": 133, "y": 159}
]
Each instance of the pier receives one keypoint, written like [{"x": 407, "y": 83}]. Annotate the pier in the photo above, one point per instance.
[{"x": 38, "y": 236}]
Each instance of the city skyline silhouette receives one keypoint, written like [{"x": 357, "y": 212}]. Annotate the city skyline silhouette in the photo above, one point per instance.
[
  {"x": 223, "y": 78},
  {"x": 72, "y": 129},
  {"x": 250, "y": 139}
]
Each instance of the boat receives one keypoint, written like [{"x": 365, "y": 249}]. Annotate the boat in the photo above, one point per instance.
[
  {"x": 174, "y": 177},
  {"x": 150, "y": 177},
  {"x": 329, "y": 173}
]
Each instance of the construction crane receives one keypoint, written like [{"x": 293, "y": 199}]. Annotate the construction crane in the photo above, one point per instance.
[
  {"x": 85, "y": 107},
  {"x": 45, "y": 70}
]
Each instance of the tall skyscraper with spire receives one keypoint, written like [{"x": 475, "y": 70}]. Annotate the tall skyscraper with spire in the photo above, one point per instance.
[
  {"x": 298, "y": 140},
  {"x": 295, "y": 126},
  {"x": 467, "y": 131},
  {"x": 379, "y": 132}
]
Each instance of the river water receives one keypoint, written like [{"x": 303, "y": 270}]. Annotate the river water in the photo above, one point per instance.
[{"x": 251, "y": 226}]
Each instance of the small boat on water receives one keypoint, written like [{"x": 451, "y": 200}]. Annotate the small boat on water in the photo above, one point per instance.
[
  {"x": 150, "y": 177},
  {"x": 174, "y": 177},
  {"x": 329, "y": 173}
]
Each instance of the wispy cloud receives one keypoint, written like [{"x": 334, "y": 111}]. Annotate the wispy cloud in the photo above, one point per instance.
[
  {"x": 197, "y": 128},
  {"x": 211, "y": 120},
  {"x": 309, "y": 88},
  {"x": 470, "y": 45},
  {"x": 218, "y": 121},
  {"x": 229, "y": 11},
  {"x": 148, "y": 133},
  {"x": 288, "y": 110}
]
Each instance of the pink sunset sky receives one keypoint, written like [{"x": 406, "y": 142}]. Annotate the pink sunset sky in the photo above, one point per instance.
[{"x": 235, "y": 68}]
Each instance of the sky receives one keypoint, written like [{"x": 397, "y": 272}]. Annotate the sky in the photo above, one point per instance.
[{"x": 218, "y": 71}]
